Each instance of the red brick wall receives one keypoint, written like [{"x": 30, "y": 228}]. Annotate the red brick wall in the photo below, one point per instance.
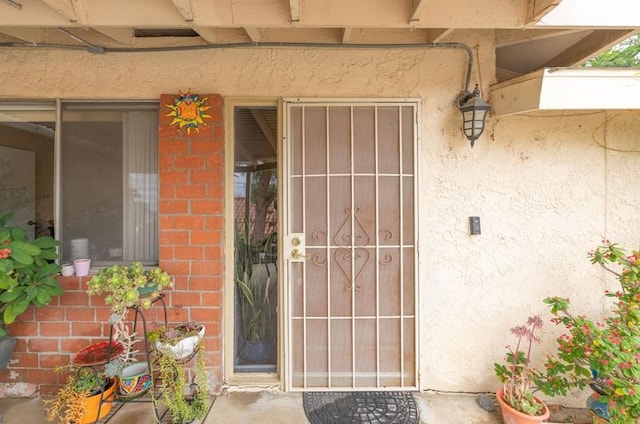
[{"x": 191, "y": 171}]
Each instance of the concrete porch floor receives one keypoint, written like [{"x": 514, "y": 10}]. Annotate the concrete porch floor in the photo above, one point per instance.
[{"x": 276, "y": 407}]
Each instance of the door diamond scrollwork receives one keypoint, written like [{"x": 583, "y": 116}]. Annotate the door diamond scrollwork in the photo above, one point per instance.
[
  {"x": 350, "y": 252},
  {"x": 344, "y": 237},
  {"x": 360, "y": 258}
]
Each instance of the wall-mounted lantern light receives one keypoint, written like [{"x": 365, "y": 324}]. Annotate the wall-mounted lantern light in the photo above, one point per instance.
[{"x": 474, "y": 112}]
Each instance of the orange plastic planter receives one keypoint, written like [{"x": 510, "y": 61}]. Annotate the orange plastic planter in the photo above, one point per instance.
[
  {"x": 93, "y": 403},
  {"x": 513, "y": 416}
]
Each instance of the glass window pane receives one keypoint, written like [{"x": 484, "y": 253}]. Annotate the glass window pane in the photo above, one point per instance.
[
  {"x": 109, "y": 182},
  {"x": 27, "y": 133},
  {"x": 256, "y": 273}
]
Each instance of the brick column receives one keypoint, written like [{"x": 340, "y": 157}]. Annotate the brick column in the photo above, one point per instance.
[{"x": 191, "y": 216}]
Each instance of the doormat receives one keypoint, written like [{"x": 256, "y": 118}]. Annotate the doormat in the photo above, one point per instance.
[{"x": 360, "y": 407}]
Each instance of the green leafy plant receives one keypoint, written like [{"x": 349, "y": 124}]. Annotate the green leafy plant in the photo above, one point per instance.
[
  {"x": 172, "y": 335},
  {"x": 68, "y": 406},
  {"x": 602, "y": 354},
  {"x": 185, "y": 400},
  {"x": 517, "y": 374},
  {"x": 122, "y": 285},
  {"x": 125, "y": 287},
  {"x": 27, "y": 271},
  {"x": 624, "y": 54},
  {"x": 256, "y": 279}
]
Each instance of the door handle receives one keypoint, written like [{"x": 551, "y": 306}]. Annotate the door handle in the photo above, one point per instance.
[
  {"x": 299, "y": 254},
  {"x": 295, "y": 247}
]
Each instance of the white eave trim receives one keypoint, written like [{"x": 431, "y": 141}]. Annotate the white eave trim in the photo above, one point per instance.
[{"x": 568, "y": 89}]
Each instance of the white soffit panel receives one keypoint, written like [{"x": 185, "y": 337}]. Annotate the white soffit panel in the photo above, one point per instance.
[
  {"x": 594, "y": 13},
  {"x": 568, "y": 89}
]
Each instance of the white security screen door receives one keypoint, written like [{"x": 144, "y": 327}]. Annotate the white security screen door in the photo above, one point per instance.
[{"x": 350, "y": 245}]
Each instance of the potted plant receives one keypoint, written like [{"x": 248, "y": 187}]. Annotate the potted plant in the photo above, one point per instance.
[
  {"x": 126, "y": 287},
  {"x": 134, "y": 380},
  {"x": 186, "y": 401},
  {"x": 602, "y": 354},
  {"x": 86, "y": 397},
  {"x": 180, "y": 341},
  {"x": 121, "y": 359},
  {"x": 129, "y": 286},
  {"x": 27, "y": 277},
  {"x": 256, "y": 280},
  {"x": 516, "y": 396}
]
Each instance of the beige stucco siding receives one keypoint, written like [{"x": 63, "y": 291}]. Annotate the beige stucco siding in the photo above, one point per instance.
[{"x": 543, "y": 185}]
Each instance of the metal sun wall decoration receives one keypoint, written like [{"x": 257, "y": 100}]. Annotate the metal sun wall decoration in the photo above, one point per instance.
[{"x": 188, "y": 111}]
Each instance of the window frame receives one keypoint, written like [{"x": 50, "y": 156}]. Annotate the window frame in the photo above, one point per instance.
[{"x": 57, "y": 194}]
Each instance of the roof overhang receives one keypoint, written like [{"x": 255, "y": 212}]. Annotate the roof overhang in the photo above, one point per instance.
[{"x": 567, "y": 89}]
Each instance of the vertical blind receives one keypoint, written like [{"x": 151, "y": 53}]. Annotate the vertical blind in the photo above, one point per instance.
[{"x": 140, "y": 186}]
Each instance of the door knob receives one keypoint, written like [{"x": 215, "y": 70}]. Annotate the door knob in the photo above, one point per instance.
[{"x": 299, "y": 254}]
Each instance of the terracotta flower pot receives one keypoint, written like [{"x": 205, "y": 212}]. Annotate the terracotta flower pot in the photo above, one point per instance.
[{"x": 513, "y": 416}]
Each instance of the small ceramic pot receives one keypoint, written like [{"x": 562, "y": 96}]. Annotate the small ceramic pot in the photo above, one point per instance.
[
  {"x": 67, "y": 270},
  {"x": 135, "y": 379},
  {"x": 81, "y": 267}
]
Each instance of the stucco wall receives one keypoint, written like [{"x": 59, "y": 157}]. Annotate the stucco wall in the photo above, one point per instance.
[
  {"x": 545, "y": 189},
  {"x": 547, "y": 192}
]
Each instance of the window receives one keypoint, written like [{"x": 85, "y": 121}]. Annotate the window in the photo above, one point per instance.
[
  {"x": 27, "y": 140},
  {"x": 255, "y": 260},
  {"x": 108, "y": 178},
  {"x": 109, "y": 182}
]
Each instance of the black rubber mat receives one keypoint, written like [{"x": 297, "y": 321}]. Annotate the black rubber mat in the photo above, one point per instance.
[{"x": 360, "y": 407}]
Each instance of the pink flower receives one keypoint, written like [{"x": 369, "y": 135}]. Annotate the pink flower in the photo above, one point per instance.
[
  {"x": 535, "y": 321},
  {"x": 520, "y": 331}
]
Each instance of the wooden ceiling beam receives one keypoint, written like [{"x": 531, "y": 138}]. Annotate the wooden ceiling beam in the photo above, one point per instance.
[
  {"x": 210, "y": 35},
  {"x": 30, "y": 35},
  {"x": 121, "y": 35},
  {"x": 537, "y": 9},
  {"x": 80, "y": 8},
  {"x": 416, "y": 10},
  {"x": 294, "y": 7},
  {"x": 185, "y": 9},
  {"x": 70, "y": 9},
  {"x": 346, "y": 35},
  {"x": 437, "y": 35},
  {"x": 255, "y": 34},
  {"x": 590, "y": 46}
]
